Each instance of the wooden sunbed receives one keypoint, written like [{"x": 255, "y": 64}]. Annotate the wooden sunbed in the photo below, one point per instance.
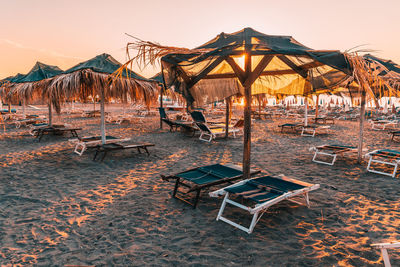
[
  {"x": 83, "y": 143},
  {"x": 197, "y": 179}
]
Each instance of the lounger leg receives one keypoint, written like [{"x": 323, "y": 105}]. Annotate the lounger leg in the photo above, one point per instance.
[
  {"x": 147, "y": 151},
  {"x": 196, "y": 200},
  {"x": 40, "y": 135},
  {"x": 385, "y": 257},
  {"x": 104, "y": 155},
  {"x": 395, "y": 170},
  {"x": 369, "y": 164},
  {"x": 307, "y": 200},
  {"x": 176, "y": 187},
  {"x": 253, "y": 223},
  {"x": 95, "y": 154},
  {"x": 83, "y": 148},
  {"x": 221, "y": 209}
]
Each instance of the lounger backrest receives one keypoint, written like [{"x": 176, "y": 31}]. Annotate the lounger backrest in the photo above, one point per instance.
[
  {"x": 163, "y": 114},
  {"x": 203, "y": 127},
  {"x": 197, "y": 116}
]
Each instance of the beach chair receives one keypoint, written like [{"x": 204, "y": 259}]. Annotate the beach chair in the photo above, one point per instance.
[
  {"x": 331, "y": 151},
  {"x": 383, "y": 124},
  {"x": 117, "y": 146},
  {"x": 201, "y": 178},
  {"x": 186, "y": 126},
  {"x": 384, "y": 247},
  {"x": 260, "y": 194},
  {"x": 311, "y": 130},
  {"x": 386, "y": 157},
  {"x": 394, "y": 135},
  {"x": 293, "y": 127},
  {"x": 55, "y": 130},
  {"x": 208, "y": 134},
  {"x": 324, "y": 120},
  {"x": 35, "y": 126},
  {"x": 198, "y": 116},
  {"x": 83, "y": 143}
]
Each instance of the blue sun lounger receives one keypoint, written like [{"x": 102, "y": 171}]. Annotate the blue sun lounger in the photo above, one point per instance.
[
  {"x": 197, "y": 179},
  {"x": 261, "y": 193}
]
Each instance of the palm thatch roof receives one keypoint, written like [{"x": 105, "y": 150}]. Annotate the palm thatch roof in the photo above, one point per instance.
[
  {"x": 215, "y": 70},
  {"x": 97, "y": 76}
]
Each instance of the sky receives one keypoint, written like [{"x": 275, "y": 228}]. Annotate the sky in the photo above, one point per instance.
[{"x": 66, "y": 32}]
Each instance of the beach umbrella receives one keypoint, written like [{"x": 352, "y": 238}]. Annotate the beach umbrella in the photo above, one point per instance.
[
  {"x": 246, "y": 62},
  {"x": 25, "y": 87},
  {"x": 103, "y": 76}
]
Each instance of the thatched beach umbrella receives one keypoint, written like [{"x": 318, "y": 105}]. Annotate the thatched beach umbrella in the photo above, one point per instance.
[
  {"x": 27, "y": 87},
  {"x": 97, "y": 76},
  {"x": 245, "y": 62}
]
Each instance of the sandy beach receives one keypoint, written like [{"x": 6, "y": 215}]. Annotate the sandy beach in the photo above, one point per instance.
[{"x": 59, "y": 209}]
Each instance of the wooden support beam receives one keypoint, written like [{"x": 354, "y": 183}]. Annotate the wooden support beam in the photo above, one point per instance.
[
  {"x": 205, "y": 71},
  {"x": 302, "y": 72},
  {"x": 258, "y": 70},
  {"x": 238, "y": 72}
]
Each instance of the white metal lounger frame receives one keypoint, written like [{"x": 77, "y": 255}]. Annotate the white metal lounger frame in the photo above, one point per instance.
[
  {"x": 384, "y": 247},
  {"x": 82, "y": 145},
  {"x": 391, "y": 163},
  {"x": 333, "y": 155},
  {"x": 381, "y": 125},
  {"x": 259, "y": 208},
  {"x": 212, "y": 135},
  {"x": 307, "y": 131}
]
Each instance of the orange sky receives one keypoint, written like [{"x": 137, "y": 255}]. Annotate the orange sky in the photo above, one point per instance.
[{"x": 65, "y": 33}]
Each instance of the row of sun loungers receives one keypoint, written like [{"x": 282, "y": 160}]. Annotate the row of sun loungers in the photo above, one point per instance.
[
  {"x": 256, "y": 194},
  {"x": 309, "y": 130}
]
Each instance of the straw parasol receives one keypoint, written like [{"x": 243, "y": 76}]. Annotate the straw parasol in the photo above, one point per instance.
[
  {"x": 246, "y": 62},
  {"x": 98, "y": 76}
]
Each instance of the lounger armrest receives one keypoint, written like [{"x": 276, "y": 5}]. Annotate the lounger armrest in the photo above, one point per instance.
[{"x": 394, "y": 244}]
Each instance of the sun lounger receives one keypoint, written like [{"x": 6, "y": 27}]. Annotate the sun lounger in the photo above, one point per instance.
[
  {"x": 83, "y": 143},
  {"x": 311, "y": 130},
  {"x": 213, "y": 133},
  {"x": 24, "y": 122},
  {"x": 260, "y": 114},
  {"x": 260, "y": 194},
  {"x": 395, "y": 134},
  {"x": 117, "y": 146},
  {"x": 200, "y": 178},
  {"x": 198, "y": 116},
  {"x": 293, "y": 127},
  {"x": 55, "y": 130},
  {"x": 186, "y": 126},
  {"x": 324, "y": 120},
  {"x": 331, "y": 151},
  {"x": 385, "y": 157},
  {"x": 383, "y": 247},
  {"x": 382, "y": 124}
]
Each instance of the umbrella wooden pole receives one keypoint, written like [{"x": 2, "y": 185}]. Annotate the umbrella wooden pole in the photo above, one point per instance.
[
  {"x": 161, "y": 105},
  {"x": 247, "y": 117},
  {"x": 23, "y": 108},
  {"x": 316, "y": 107},
  {"x": 362, "y": 117},
  {"x": 103, "y": 122},
  {"x": 306, "y": 113},
  {"x": 50, "y": 114},
  {"x": 227, "y": 116},
  {"x": 9, "y": 107}
]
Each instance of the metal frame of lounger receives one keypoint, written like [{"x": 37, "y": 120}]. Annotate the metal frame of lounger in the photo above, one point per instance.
[
  {"x": 211, "y": 133},
  {"x": 261, "y": 208},
  {"x": 335, "y": 151},
  {"x": 381, "y": 153},
  {"x": 82, "y": 145},
  {"x": 116, "y": 146},
  {"x": 382, "y": 124},
  {"x": 383, "y": 247},
  {"x": 292, "y": 126},
  {"x": 197, "y": 188},
  {"x": 324, "y": 119},
  {"x": 312, "y": 130}
]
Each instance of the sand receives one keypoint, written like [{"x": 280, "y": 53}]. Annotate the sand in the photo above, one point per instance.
[{"x": 57, "y": 208}]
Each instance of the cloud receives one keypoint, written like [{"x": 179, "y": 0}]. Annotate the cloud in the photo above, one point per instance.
[{"x": 42, "y": 50}]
